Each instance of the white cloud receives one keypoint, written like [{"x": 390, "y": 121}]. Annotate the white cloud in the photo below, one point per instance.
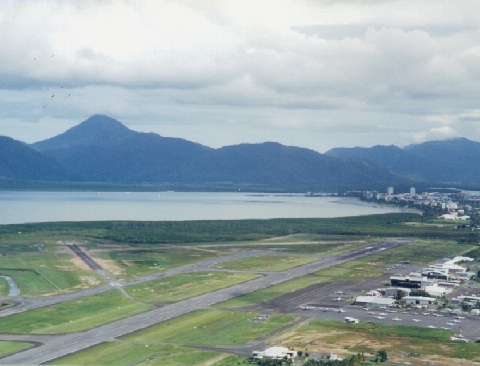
[{"x": 316, "y": 67}]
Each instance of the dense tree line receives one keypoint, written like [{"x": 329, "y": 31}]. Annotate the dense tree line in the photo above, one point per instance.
[{"x": 178, "y": 232}]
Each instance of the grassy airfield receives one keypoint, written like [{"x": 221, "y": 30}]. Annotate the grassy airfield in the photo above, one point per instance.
[{"x": 36, "y": 257}]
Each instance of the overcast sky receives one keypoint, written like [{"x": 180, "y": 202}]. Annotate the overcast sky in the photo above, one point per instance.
[{"x": 316, "y": 74}]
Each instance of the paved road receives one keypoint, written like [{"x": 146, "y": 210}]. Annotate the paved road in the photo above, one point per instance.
[
  {"x": 59, "y": 346},
  {"x": 13, "y": 291}
]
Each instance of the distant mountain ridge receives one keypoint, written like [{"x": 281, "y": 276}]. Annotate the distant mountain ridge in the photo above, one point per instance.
[
  {"x": 18, "y": 161},
  {"x": 101, "y": 149},
  {"x": 453, "y": 160}
]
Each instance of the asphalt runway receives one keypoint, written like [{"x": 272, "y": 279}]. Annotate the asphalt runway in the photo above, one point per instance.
[{"x": 61, "y": 345}]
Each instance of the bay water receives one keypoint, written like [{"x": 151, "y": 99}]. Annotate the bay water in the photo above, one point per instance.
[{"x": 37, "y": 206}]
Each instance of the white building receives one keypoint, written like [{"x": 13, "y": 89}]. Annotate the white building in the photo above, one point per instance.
[
  {"x": 418, "y": 300},
  {"x": 436, "y": 291},
  {"x": 275, "y": 353},
  {"x": 412, "y": 191},
  {"x": 374, "y": 301}
]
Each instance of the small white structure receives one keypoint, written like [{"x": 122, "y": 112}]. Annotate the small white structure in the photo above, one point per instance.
[
  {"x": 334, "y": 357},
  {"x": 436, "y": 291},
  {"x": 274, "y": 353},
  {"x": 454, "y": 216},
  {"x": 475, "y": 311},
  {"x": 351, "y": 320},
  {"x": 418, "y": 300}
]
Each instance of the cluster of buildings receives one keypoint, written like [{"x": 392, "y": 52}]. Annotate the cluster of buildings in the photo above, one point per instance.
[
  {"x": 421, "y": 288},
  {"x": 448, "y": 202}
]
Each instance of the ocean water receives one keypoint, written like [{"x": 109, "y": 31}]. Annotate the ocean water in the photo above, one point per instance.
[{"x": 27, "y": 207}]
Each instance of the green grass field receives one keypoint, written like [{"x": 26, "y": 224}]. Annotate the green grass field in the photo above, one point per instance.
[
  {"x": 73, "y": 316},
  {"x": 186, "y": 285},
  {"x": 43, "y": 273},
  {"x": 324, "y": 245},
  {"x": 134, "y": 262},
  {"x": 123, "y": 353},
  {"x": 211, "y": 327},
  {"x": 267, "y": 263},
  {"x": 4, "y": 287},
  {"x": 7, "y": 348}
]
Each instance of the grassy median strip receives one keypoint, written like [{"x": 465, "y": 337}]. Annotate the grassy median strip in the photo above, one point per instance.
[
  {"x": 8, "y": 348},
  {"x": 75, "y": 315},
  {"x": 4, "y": 287},
  {"x": 211, "y": 327},
  {"x": 124, "y": 353},
  {"x": 269, "y": 293},
  {"x": 186, "y": 285},
  {"x": 266, "y": 263},
  {"x": 132, "y": 262}
]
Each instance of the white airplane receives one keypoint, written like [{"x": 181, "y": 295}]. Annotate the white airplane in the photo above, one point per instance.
[
  {"x": 460, "y": 317},
  {"x": 371, "y": 313},
  {"x": 431, "y": 326},
  {"x": 380, "y": 317},
  {"x": 396, "y": 319},
  {"x": 416, "y": 320},
  {"x": 382, "y": 314},
  {"x": 436, "y": 314},
  {"x": 339, "y": 299},
  {"x": 425, "y": 314},
  {"x": 457, "y": 321},
  {"x": 341, "y": 311},
  {"x": 446, "y": 328},
  {"x": 451, "y": 324},
  {"x": 339, "y": 292}
]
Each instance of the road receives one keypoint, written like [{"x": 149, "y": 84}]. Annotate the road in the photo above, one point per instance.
[
  {"x": 61, "y": 345},
  {"x": 13, "y": 291}
]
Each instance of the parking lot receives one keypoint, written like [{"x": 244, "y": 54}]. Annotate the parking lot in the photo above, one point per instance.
[{"x": 334, "y": 300}]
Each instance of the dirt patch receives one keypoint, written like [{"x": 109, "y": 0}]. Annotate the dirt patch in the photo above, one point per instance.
[
  {"x": 347, "y": 343},
  {"x": 88, "y": 281},
  {"x": 110, "y": 266},
  {"x": 107, "y": 264},
  {"x": 214, "y": 360},
  {"x": 78, "y": 263}
]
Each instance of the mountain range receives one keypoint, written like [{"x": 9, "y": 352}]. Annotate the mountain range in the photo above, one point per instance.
[{"x": 103, "y": 150}]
